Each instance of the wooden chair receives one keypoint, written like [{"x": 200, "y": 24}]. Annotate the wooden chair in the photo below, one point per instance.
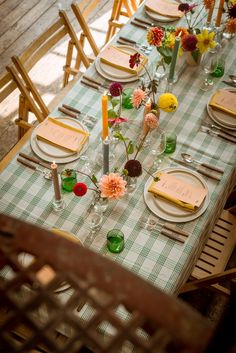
[
  {"x": 82, "y": 17},
  {"x": 30, "y": 96},
  {"x": 8, "y": 87},
  {"x": 125, "y": 8},
  {"x": 210, "y": 269},
  {"x": 34, "y": 316}
]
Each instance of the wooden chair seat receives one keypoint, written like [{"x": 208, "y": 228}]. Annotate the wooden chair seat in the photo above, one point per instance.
[
  {"x": 211, "y": 265},
  {"x": 103, "y": 295}
]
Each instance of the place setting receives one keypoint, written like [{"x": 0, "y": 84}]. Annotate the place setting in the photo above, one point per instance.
[
  {"x": 162, "y": 11},
  {"x": 113, "y": 63},
  {"x": 60, "y": 139}
]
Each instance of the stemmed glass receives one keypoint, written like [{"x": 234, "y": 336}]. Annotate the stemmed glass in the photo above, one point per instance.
[
  {"x": 208, "y": 64},
  {"x": 158, "y": 145},
  {"x": 93, "y": 218}
]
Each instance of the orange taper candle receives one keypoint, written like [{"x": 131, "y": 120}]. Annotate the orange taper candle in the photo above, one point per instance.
[
  {"x": 104, "y": 116},
  {"x": 219, "y": 13},
  {"x": 210, "y": 13}
]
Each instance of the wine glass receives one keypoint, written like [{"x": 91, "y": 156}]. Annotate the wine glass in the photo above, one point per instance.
[
  {"x": 93, "y": 218},
  {"x": 158, "y": 145},
  {"x": 208, "y": 65}
]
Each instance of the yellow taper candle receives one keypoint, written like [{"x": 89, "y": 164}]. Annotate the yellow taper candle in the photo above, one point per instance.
[
  {"x": 219, "y": 13},
  {"x": 104, "y": 116},
  {"x": 210, "y": 13}
]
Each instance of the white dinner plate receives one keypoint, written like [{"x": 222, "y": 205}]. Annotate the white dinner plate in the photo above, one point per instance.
[
  {"x": 160, "y": 18},
  {"x": 222, "y": 118},
  {"x": 170, "y": 212},
  {"x": 49, "y": 152},
  {"x": 112, "y": 73}
]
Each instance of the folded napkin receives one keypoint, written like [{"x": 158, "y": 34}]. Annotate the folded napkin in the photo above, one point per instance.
[
  {"x": 61, "y": 135},
  {"x": 164, "y": 7},
  {"x": 178, "y": 192},
  {"x": 225, "y": 101},
  {"x": 66, "y": 235},
  {"x": 119, "y": 58}
]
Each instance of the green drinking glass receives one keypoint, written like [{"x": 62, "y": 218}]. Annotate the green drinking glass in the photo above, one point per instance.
[
  {"x": 115, "y": 240},
  {"x": 171, "y": 140},
  {"x": 68, "y": 179},
  {"x": 126, "y": 98}
]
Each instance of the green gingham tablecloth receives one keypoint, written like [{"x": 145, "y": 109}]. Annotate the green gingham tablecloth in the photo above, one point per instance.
[{"x": 166, "y": 263}]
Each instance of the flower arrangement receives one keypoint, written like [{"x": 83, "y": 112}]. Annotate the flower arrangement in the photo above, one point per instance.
[
  {"x": 114, "y": 114},
  {"x": 167, "y": 101},
  {"x": 231, "y": 17},
  {"x": 193, "y": 40},
  {"x": 111, "y": 186}
]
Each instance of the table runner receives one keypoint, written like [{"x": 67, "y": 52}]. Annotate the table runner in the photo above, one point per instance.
[{"x": 164, "y": 262}]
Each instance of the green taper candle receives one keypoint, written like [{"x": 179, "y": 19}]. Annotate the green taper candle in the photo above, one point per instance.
[{"x": 174, "y": 58}]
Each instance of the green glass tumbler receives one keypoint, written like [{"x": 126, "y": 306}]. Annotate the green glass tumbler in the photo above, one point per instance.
[
  {"x": 115, "y": 240},
  {"x": 126, "y": 98},
  {"x": 171, "y": 140},
  {"x": 68, "y": 179},
  {"x": 220, "y": 69}
]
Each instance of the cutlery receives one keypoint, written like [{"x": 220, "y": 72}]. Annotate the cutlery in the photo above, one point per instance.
[
  {"x": 46, "y": 174},
  {"x": 68, "y": 112},
  {"x": 218, "y": 134},
  {"x": 145, "y": 51},
  {"x": 148, "y": 23},
  {"x": 189, "y": 159},
  {"x": 172, "y": 235},
  {"x": 71, "y": 108},
  {"x": 231, "y": 83},
  {"x": 138, "y": 25},
  {"x": 35, "y": 160},
  {"x": 90, "y": 79},
  {"x": 144, "y": 46},
  {"x": 233, "y": 78},
  {"x": 198, "y": 169},
  {"x": 90, "y": 84},
  {"x": 212, "y": 126}
]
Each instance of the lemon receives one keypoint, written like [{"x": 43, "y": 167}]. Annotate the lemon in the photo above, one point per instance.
[{"x": 168, "y": 102}]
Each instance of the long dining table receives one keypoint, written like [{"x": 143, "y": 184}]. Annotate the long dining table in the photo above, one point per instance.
[{"x": 165, "y": 262}]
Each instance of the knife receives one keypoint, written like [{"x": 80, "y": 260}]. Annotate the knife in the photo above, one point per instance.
[
  {"x": 198, "y": 169},
  {"x": 35, "y": 160},
  {"x": 127, "y": 40},
  {"x": 213, "y": 126},
  {"x": 148, "y": 23},
  {"x": 90, "y": 79},
  {"x": 68, "y": 112},
  {"x": 219, "y": 134},
  {"x": 71, "y": 108},
  {"x": 232, "y": 84},
  {"x": 138, "y": 25},
  {"x": 171, "y": 235}
]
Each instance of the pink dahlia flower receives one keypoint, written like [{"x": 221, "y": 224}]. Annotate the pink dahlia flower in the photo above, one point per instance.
[
  {"x": 138, "y": 97},
  {"x": 151, "y": 120},
  {"x": 112, "y": 186}
]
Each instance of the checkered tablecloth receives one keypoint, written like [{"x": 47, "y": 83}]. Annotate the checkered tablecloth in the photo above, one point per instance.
[{"x": 166, "y": 263}]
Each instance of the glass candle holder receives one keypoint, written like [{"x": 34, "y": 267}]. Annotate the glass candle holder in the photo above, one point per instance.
[
  {"x": 68, "y": 179},
  {"x": 115, "y": 240}
]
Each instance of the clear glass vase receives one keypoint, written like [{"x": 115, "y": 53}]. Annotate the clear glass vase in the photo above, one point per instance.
[
  {"x": 160, "y": 69},
  {"x": 100, "y": 203},
  {"x": 131, "y": 183}
]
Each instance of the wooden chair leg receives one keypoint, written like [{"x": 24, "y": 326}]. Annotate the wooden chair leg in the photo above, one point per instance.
[
  {"x": 22, "y": 122},
  {"x": 114, "y": 17},
  {"x": 67, "y": 66},
  {"x": 127, "y": 7}
]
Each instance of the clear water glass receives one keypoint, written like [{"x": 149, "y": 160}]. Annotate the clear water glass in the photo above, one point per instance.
[
  {"x": 158, "y": 145},
  {"x": 208, "y": 65},
  {"x": 93, "y": 219}
]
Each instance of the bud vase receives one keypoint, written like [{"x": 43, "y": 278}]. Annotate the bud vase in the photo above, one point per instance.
[
  {"x": 193, "y": 58},
  {"x": 131, "y": 184},
  {"x": 100, "y": 203}
]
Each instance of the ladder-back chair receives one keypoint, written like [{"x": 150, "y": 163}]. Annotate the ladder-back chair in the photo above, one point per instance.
[
  {"x": 30, "y": 97},
  {"x": 125, "y": 8},
  {"x": 58, "y": 296},
  {"x": 82, "y": 18}
]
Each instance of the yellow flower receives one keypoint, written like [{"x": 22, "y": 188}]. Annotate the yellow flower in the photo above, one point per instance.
[
  {"x": 233, "y": 2},
  {"x": 169, "y": 40},
  {"x": 205, "y": 41},
  {"x": 167, "y": 102}
]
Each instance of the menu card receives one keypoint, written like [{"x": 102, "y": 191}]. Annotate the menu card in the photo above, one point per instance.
[
  {"x": 177, "y": 191},
  {"x": 61, "y": 135},
  {"x": 224, "y": 100},
  {"x": 164, "y": 8},
  {"x": 119, "y": 58}
]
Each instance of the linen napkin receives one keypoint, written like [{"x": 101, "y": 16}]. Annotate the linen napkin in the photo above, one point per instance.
[
  {"x": 61, "y": 135},
  {"x": 178, "y": 192},
  {"x": 225, "y": 101},
  {"x": 164, "y": 8},
  {"x": 119, "y": 58}
]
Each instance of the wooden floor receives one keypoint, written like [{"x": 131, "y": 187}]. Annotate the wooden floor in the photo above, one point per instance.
[{"x": 21, "y": 21}]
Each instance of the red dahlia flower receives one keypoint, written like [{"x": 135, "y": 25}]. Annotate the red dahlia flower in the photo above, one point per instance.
[
  {"x": 80, "y": 189},
  {"x": 115, "y": 89},
  {"x": 189, "y": 42},
  {"x": 134, "y": 60}
]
